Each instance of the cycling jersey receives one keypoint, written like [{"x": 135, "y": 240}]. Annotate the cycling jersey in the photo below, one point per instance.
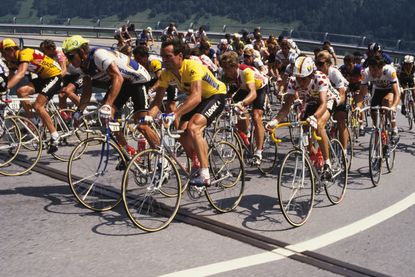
[
  {"x": 319, "y": 84},
  {"x": 44, "y": 66},
  {"x": 386, "y": 80},
  {"x": 249, "y": 74},
  {"x": 336, "y": 78},
  {"x": 406, "y": 78},
  {"x": 354, "y": 77},
  {"x": 100, "y": 59},
  {"x": 4, "y": 74},
  {"x": 206, "y": 61},
  {"x": 189, "y": 72}
]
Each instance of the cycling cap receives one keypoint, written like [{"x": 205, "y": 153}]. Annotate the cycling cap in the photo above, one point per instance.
[
  {"x": 72, "y": 43},
  {"x": 149, "y": 29},
  {"x": 224, "y": 41},
  {"x": 292, "y": 57},
  {"x": 190, "y": 31},
  {"x": 374, "y": 47},
  {"x": 8, "y": 43},
  {"x": 303, "y": 67},
  {"x": 408, "y": 59}
]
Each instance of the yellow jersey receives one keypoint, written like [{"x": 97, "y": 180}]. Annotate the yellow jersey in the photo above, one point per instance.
[
  {"x": 39, "y": 63},
  {"x": 193, "y": 71}
]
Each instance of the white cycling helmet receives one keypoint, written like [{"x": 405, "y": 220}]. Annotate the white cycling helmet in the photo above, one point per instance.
[
  {"x": 190, "y": 31},
  {"x": 408, "y": 59},
  {"x": 149, "y": 29},
  {"x": 303, "y": 67},
  {"x": 292, "y": 57}
]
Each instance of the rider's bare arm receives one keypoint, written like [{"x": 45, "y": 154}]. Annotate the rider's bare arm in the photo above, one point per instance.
[{"x": 18, "y": 76}]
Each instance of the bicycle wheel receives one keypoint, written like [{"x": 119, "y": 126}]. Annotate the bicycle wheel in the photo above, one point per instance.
[
  {"x": 336, "y": 187},
  {"x": 95, "y": 171},
  {"x": 227, "y": 175},
  {"x": 31, "y": 147},
  {"x": 350, "y": 149},
  {"x": 375, "y": 157},
  {"x": 69, "y": 137},
  {"x": 10, "y": 144},
  {"x": 295, "y": 188},
  {"x": 389, "y": 151},
  {"x": 410, "y": 114},
  {"x": 228, "y": 134},
  {"x": 151, "y": 190},
  {"x": 269, "y": 155}
]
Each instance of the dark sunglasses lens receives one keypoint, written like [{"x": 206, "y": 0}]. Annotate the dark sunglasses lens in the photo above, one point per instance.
[{"x": 70, "y": 56}]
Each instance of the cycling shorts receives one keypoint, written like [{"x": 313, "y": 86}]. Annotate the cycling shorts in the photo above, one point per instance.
[
  {"x": 47, "y": 87},
  {"x": 259, "y": 102},
  {"x": 210, "y": 108}
]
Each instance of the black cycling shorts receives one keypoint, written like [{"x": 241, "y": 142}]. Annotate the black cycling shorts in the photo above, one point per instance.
[
  {"x": 259, "y": 102},
  {"x": 210, "y": 108},
  {"x": 172, "y": 93},
  {"x": 47, "y": 87},
  {"x": 310, "y": 109},
  {"x": 137, "y": 94},
  {"x": 378, "y": 96},
  {"x": 75, "y": 79}
]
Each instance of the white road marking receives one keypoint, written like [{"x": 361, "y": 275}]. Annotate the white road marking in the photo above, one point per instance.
[{"x": 310, "y": 245}]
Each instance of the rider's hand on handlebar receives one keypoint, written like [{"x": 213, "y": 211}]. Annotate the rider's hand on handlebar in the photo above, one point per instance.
[
  {"x": 239, "y": 107},
  {"x": 312, "y": 120},
  {"x": 271, "y": 124},
  {"x": 168, "y": 118},
  {"x": 105, "y": 111}
]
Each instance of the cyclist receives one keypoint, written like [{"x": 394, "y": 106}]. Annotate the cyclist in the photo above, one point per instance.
[
  {"x": 406, "y": 77},
  {"x": 339, "y": 83},
  {"x": 249, "y": 86},
  {"x": 386, "y": 90},
  {"x": 4, "y": 76},
  {"x": 375, "y": 50},
  {"x": 47, "y": 82},
  {"x": 124, "y": 76},
  {"x": 190, "y": 37},
  {"x": 327, "y": 46},
  {"x": 352, "y": 71},
  {"x": 313, "y": 88},
  {"x": 252, "y": 58},
  {"x": 205, "y": 101},
  {"x": 154, "y": 66},
  {"x": 71, "y": 79}
]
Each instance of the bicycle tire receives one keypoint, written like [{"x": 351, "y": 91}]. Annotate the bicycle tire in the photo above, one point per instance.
[
  {"x": 151, "y": 190},
  {"x": 269, "y": 155},
  {"x": 410, "y": 114},
  {"x": 10, "y": 143},
  {"x": 375, "y": 157},
  {"x": 227, "y": 173},
  {"x": 31, "y": 147},
  {"x": 93, "y": 175},
  {"x": 295, "y": 168},
  {"x": 336, "y": 188}
]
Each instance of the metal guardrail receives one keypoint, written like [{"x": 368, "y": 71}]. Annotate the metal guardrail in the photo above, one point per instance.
[{"x": 342, "y": 43}]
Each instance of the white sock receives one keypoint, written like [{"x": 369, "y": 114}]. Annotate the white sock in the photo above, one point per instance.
[
  {"x": 395, "y": 130},
  {"x": 258, "y": 153},
  {"x": 55, "y": 135},
  {"x": 204, "y": 172},
  {"x": 327, "y": 162}
]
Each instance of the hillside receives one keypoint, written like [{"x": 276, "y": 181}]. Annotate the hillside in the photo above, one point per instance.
[{"x": 372, "y": 18}]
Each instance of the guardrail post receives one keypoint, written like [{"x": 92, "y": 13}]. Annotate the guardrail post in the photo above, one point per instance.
[
  {"x": 291, "y": 33},
  {"x": 14, "y": 22},
  {"x": 158, "y": 25},
  {"x": 191, "y": 25},
  {"x": 41, "y": 23},
  {"x": 363, "y": 41},
  {"x": 68, "y": 21},
  {"x": 398, "y": 44},
  {"x": 224, "y": 29},
  {"x": 21, "y": 43},
  {"x": 325, "y": 36}
]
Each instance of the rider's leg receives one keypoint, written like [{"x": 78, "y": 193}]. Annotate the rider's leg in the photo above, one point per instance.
[
  {"x": 24, "y": 92},
  {"x": 340, "y": 117},
  {"x": 324, "y": 142}
]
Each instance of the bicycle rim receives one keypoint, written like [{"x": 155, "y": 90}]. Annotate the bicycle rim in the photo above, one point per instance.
[
  {"x": 151, "y": 190},
  {"x": 295, "y": 188},
  {"x": 336, "y": 187},
  {"x": 375, "y": 157}
]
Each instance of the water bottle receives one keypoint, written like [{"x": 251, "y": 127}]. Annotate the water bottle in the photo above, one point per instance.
[{"x": 141, "y": 143}]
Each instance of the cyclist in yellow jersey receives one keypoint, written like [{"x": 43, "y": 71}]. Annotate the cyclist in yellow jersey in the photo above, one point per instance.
[
  {"x": 249, "y": 87},
  {"x": 47, "y": 83},
  {"x": 205, "y": 101},
  {"x": 154, "y": 66}
]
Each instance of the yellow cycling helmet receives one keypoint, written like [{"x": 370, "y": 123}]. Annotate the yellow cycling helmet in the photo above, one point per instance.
[{"x": 72, "y": 43}]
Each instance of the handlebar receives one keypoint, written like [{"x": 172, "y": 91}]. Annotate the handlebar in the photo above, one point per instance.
[
  {"x": 294, "y": 124},
  {"x": 374, "y": 108}
]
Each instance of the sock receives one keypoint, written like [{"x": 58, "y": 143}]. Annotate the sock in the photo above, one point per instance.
[
  {"x": 395, "y": 130},
  {"x": 327, "y": 162},
  {"x": 204, "y": 172},
  {"x": 55, "y": 135},
  {"x": 258, "y": 153}
]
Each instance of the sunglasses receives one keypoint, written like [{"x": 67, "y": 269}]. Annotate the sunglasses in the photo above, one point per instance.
[
  {"x": 247, "y": 56},
  {"x": 70, "y": 56},
  {"x": 320, "y": 63}
]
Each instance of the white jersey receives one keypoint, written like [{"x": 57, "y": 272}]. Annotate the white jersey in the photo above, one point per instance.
[
  {"x": 386, "y": 80},
  {"x": 318, "y": 85},
  {"x": 336, "y": 78},
  {"x": 101, "y": 59}
]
